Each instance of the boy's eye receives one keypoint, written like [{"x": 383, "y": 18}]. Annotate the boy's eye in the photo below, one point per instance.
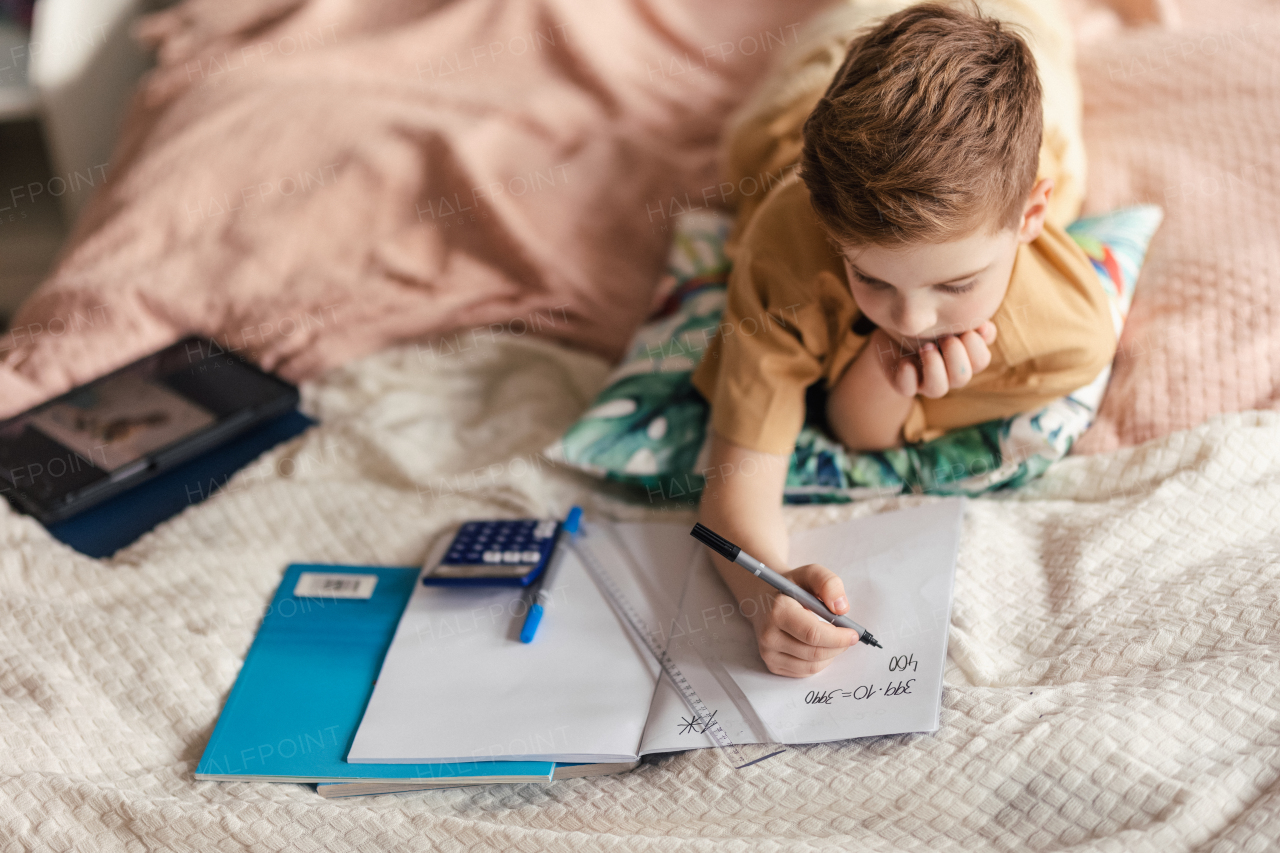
[{"x": 876, "y": 284}]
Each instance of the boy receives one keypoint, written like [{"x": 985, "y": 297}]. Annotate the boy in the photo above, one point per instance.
[{"x": 911, "y": 279}]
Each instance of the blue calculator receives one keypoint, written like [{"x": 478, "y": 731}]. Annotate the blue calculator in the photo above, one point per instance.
[{"x": 496, "y": 553}]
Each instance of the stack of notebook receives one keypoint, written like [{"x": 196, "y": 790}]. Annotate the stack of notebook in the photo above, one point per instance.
[
  {"x": 304, "y": 685},
  {"x": 365, "y": 681}
]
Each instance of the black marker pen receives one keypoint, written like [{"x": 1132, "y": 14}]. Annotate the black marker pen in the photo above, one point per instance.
[{"x": 734, "y": 554}]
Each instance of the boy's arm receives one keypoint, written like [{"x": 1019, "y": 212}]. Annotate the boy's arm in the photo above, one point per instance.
[
  {"x": 865, "y": 410},
  {"x": 743, "y": 503}
]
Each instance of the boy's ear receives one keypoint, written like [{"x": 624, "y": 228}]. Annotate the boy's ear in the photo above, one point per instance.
[{"x": 1036, "y": 209}]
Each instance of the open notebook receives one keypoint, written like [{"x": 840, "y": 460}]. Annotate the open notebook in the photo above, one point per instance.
[{"x": 457, "y": 685}]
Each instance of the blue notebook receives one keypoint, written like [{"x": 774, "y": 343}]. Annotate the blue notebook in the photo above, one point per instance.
[{"x": 304, "y": 685}]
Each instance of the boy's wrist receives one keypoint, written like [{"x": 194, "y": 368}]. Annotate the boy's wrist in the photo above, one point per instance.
[
  {"x": 865, "y": 409},
  {"x": 887, "y": 354}
]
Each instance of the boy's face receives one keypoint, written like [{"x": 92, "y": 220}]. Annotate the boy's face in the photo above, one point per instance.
[{"x": 925, "y": 291}]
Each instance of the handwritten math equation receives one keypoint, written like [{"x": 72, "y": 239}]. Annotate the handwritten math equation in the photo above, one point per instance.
[
  {"x": 864, "y": 691},
  {"x": 697, "y": 724},
  {"x": 902, "y": 687}
]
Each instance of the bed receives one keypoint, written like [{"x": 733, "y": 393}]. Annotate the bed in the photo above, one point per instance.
[{"x": 1114, "y": 669}]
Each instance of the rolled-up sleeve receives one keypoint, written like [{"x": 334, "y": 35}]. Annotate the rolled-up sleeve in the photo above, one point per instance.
[
  {"x": 777, "y": 331},
  {"x": 756, "y": 371}
]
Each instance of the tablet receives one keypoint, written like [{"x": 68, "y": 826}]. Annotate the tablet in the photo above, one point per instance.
[{"x": 100, "y": 439}]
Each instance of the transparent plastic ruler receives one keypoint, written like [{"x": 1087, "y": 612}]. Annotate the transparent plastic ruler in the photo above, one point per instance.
[{"x": 652, "y": 638}]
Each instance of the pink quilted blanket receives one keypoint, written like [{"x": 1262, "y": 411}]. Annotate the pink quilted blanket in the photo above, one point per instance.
[
  {"x": 313, "y": 180},
  {"x": 1189, "y": 118}
]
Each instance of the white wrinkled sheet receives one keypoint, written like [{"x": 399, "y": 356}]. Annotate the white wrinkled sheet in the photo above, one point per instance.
[{"x": 1115, "y": 650}]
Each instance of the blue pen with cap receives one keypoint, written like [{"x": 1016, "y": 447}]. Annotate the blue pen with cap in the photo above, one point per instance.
[{"x": 537, "y": 596}]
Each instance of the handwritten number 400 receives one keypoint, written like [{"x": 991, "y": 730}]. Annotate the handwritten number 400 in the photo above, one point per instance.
[{"x": 902, "y": 663}]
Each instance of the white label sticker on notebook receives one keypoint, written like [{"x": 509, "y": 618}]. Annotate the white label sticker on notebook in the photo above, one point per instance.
[{"x": 331, "y": 585}]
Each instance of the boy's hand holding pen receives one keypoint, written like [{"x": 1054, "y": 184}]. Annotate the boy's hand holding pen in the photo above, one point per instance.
[{"x": 792, "y": 642}]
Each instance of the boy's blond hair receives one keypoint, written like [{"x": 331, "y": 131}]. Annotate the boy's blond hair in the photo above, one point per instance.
[{"x": 929, "y": 132}]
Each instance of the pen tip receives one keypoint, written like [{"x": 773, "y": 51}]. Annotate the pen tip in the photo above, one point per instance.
[{"x": 871, "y": 641}]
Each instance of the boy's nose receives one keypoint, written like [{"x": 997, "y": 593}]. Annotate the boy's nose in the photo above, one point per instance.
[{"x": 913, "y": 323}]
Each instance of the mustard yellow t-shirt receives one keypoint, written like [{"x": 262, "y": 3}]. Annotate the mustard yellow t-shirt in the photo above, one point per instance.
[{"x": 790, "y": 321}]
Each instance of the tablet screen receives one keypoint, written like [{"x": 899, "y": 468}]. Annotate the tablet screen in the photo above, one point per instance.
[{"x": 120, "y": 420}]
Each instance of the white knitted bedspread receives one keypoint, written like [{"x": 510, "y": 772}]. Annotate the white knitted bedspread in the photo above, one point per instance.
[{"x": 1115, "y": 651}]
